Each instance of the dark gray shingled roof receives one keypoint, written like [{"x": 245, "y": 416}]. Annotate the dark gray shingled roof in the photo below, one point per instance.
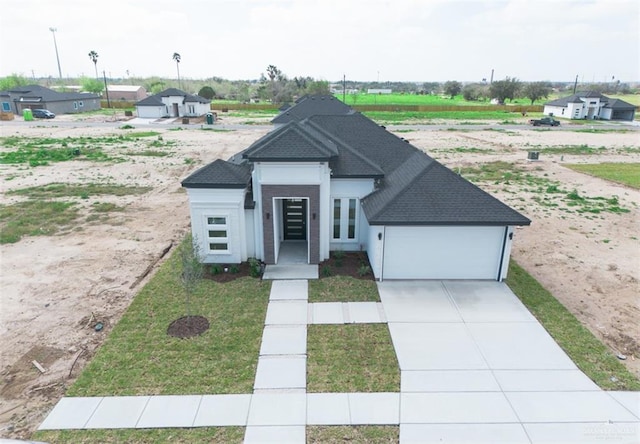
[
  {"x": 412, "y": 188},
  {"x": 312, "y": 105},
  {"x": 47, "y": 95},
  {"x": 576, "y": 98},
  {"x": 219, "y": 174},
  {"x": 156, "y": 99},
  {"x": 292, "y": 142}
]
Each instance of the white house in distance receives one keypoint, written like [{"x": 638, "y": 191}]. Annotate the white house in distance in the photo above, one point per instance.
[
  {"x": 172, "y": 102},
  {"x": 330, "y": 179},
  {"x": 590, "y": 105}
]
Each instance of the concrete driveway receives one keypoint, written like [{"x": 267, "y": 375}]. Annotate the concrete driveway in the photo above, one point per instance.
[{"x": 476, "y": 366}]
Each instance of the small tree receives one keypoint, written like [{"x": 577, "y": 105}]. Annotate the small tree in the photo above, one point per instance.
[
  {"x": 505, "y": 89},
  {"x": 92, "y": 85},
  {"x": 537, "y": 90},
  {"x": 207, "y": 92},
  {"x": 12, "y": 80},
  {"x": 192, "y": 269},
  {"x": 452, "y": 88}
]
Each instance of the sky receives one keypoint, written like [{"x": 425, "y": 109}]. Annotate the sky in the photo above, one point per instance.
[{"x": 363, "y": 40}]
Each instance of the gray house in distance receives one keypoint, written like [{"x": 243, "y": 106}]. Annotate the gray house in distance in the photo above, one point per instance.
[
  {"x": 329, "y": 179},
  {"x": 39, "y": 97},
  {"x": 590, "y": 105}
]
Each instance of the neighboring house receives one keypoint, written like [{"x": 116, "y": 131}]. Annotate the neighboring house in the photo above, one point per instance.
[
  {"x": 172, "y": 102},
  {"x": 379, "y": 91},
  {"x": 590, "y": 105},
  {"x": 342, "y": 182},
  {"x": 36, "y": 96},
  {"x": 132, "y": 93}
]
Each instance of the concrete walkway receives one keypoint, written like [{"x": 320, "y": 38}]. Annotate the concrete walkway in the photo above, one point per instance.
[{"x": 475, "y": 367}]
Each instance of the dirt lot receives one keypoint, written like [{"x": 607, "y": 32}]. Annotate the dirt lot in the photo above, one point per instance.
[{"x": 56, "y": 288}]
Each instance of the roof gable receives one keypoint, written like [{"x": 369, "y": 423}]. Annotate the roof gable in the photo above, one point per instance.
[
  {"x": 312, "y": 105},
  {"x": 219, "y": 174},
  {"x": 156, "y": 99},
  {"x": 290, "y": 143}
]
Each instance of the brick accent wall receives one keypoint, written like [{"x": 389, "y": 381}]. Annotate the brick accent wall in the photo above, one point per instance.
[{"x": 312, "y": 192}]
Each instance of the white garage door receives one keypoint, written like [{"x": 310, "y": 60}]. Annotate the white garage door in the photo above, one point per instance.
[{"x": 442, "y": 252}]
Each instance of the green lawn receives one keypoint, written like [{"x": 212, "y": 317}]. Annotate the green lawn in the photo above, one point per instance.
[
  {"x": 356, "y": 434},
  {"x": 624, "y": 173},
  {"x": 351, "y": 358},
  {"x": 139, "y": 358},
  {"x": 214, "y": 435},
  {"x": 588, "y": 352},
  {"x": 343, "y": 289}
]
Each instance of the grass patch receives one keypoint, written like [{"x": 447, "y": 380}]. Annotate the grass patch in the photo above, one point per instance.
[
  {"x": 35, "y": 218},
  {"x": 358, "y": 434},
  {"x": 105, "y": 207},
  {"x": 351, "y": 358},
  {"x": 139, "y": 358},
  {"x": 343, "y": 289},
  {"x": 590, "y": 355},
  {"x": 140, "y": 134},
  {"x": 221, "y": 435},
  {"x": 573, "y": 149},
  {"x": 409, "y": 117},
  {"x": 623, "y": 173},
  {"x": 83, "y": 191},
  {"x": 149, "y": 153}
]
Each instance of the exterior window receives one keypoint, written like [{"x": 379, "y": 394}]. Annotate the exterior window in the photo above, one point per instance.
[
  {"x": 217, "y": 234},
  {"x": 75, "y": 105},
  {"x": 6, "y": 106},
  {"x": 344, "y": 219},
  {"x": 192, "y": 109},
  {"x": 81, "y": 104},
  {"x": 336, "y": 218}
]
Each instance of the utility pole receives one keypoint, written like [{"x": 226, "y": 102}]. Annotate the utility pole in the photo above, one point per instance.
[
  {"x": 344, "y": 88},
  {"x": 106, "y": 88},
  {"x": 55, "y": 44},
  {"x": 575, "y": 84}
]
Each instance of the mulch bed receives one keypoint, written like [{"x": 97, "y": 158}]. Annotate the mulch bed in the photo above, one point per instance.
[
  {"x": 188, "y": 326},
  {"x": 349, "y": 265}
]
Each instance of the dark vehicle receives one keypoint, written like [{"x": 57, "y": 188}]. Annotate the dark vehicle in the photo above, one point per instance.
[
  {"x": 548, "y": 121},
  {"x": 43, "y": 113}
]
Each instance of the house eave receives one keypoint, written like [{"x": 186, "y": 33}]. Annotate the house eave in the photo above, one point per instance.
[
  {"x": 449, "y": 223},
  {"x": 214, "y": 186}
]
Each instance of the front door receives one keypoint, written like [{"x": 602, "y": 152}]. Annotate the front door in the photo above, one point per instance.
[{"x": 295, "y": 219}]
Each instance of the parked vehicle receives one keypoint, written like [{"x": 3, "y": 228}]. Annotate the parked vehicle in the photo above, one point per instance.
[
  {"x": 43, "y": 113},
  {"x": 548, "y": 121}
]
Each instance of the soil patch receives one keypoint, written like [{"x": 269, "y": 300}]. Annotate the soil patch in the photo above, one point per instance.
[{"x": 188, "y": 326}]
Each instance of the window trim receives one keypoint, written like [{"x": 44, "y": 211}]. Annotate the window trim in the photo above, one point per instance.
[
  {"x": 219, "y": 227},
  {"x": 344, "y": 219}
]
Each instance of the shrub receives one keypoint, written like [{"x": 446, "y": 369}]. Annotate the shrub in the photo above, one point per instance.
[
  {"x": 364, "y": 270},
  {"x": 326, "y": 271},
  {"x": 255, "y": 270},
  {"x": 234, "y": 269},
  {"x": 216, "y": 269}
]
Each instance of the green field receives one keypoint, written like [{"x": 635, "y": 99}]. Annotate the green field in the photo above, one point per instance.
[{"x": 624, "y": 173}]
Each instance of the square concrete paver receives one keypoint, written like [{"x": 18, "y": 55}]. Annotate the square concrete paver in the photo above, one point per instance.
[
  {"x": 118, "y": 412},
  {"x": 278, "y": 409},
  {"x": 290, "y": 272},
  {"x": 281, "y": 372},
  {"x": 284, "y": 340},
  {"x": 631, "y": 400},
  {"x": 327, "y": 313},
  {"x": 435, "y": 346},
  {"x": 417, "y": 301},
  {"x": 480, "y": 301},
  {"x": 286, "y": 313},
  {"x": 365, "y": 312},
  {"x": 374, "y": 408},
  {"x": 583, "y": 433},
  {"x": 519, "y": 345},
  {"x": 448, "y": 381},
  {"x": 289, "y": 290},
  {"x": 328, "y": 409},
  {"x": 544, "y": 380},
  {"x": 568, "y": 407},
  {"x": 462, "y": 433},
  {"x": 451, "y": 408},
  {"x": 70, "y": 413},
  {"x": 223, "y": 410},
  {"x": 275, "y": 434},
  {"x": 169, "y": 411}
]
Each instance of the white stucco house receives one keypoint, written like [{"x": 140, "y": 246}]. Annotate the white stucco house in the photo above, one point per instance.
[
  {"x": 590, "y": 105},
  {"x": 172, "y": 102},
  {"x": 332, "y": 179}
]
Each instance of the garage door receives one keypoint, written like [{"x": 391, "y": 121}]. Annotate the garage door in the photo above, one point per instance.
[{"x": 442, "y": 252}]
